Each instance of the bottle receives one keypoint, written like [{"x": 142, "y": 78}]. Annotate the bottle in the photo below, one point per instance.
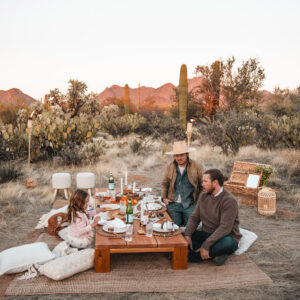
[
  {"x": 129, "y": 213},
  {"x": 111, "y": 182}
]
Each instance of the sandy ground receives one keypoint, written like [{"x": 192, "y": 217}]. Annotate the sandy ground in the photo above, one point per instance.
[{"x": 276, "y": 251}]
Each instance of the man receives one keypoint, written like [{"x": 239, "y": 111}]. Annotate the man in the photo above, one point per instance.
[
  {"x": 182, "y": 184},
  {"x": 218, "y": 211}
]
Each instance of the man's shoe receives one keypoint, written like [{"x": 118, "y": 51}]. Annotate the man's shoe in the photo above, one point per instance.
[{"x": 219, "y": 260}]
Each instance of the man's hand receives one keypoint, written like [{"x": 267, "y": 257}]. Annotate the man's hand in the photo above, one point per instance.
[
  {"x": 166, "y": 201},
  {"x": 96, "y": 220},
  {"x": 204, "y": 253},
  {"x": 189, "y": 241}
]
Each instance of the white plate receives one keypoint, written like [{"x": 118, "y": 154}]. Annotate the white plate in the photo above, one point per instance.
[
  {"x": 153, "y": 206},
  {"x": 112, "y": 206},
  {"x": 116, "y": 229}
]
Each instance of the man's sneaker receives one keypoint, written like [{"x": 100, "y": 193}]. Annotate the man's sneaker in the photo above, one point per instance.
[{"x": 219, "y": 260}]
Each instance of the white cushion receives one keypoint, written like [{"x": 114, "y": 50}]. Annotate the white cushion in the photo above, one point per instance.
[
  {"x": 85, "y": 180},
  {"x": 43, "y": 222},
  {"x": 66, "y": 266},
  {"x": 17, "y": 259},
  {"x": 61, "y": 180},
  {"x": 248, "y": 238},
  {"x": 64, "y": 233}
]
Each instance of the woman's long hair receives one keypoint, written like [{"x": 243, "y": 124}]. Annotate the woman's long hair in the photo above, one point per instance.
[{"x": 76, "y": 204}]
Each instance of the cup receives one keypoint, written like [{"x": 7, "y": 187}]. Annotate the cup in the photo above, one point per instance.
[
  {"x": 169, "y": 226},
  {"x": 149, "y": 229},
  {"x": 128, "y": 233},
  {"x": 123, "y": 205}
]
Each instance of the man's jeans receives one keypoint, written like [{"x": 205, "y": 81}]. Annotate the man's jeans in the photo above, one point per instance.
[
  {"x": 226, "y": 245},
  {"x": 178, "y": 214}
]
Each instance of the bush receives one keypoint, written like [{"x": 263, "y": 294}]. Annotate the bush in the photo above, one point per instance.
[
  {"x": 139, "y": 145},
  {"x": 162, "y": 127},
  {"x": 116, "y": 125},
  {"x": 281, "y": 132},
  {"x": 9, "y": 172},
  {"x": 50, "y": 127},
  {"x": 231, "y": 130},
  {"x": 91, "y": 152},
  {"x": 71, "y": 155}
]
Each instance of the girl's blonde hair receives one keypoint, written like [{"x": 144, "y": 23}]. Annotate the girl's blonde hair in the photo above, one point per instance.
[{"x": 76, "y": 204}]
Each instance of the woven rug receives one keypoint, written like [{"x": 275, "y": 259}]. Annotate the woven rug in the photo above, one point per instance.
[{"x": 149, "y": 272}]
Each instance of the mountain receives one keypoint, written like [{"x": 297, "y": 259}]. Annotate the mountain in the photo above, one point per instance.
[
  {"x": 160, "y": 96},
  {"x": 15, "y": 96}
]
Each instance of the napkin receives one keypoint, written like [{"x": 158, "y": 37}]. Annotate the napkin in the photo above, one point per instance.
[
  {"x": 158, "y": 226},
  {"x": 147, "y": 189},
  {"x": 116, "y": 223}
]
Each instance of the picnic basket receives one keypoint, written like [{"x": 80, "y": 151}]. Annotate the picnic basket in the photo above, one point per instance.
[{"x": 237, "y": 183}]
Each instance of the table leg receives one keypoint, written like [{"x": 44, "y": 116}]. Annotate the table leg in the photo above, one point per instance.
[
  {"x": 102, "y": 261},
  {"x": 179, "y": 258}
]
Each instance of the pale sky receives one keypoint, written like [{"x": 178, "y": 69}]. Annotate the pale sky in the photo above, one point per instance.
[{"x": 44, "y": 43}]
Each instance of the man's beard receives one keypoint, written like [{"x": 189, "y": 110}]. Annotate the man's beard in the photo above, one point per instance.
[{"x": 210, "y": 191}]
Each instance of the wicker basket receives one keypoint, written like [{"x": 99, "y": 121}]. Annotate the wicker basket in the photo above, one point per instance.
[
  {"x": 237, "y": 183},
  {"x": 266, "y": 202}
]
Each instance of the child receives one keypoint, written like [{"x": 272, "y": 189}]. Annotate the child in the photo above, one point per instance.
[{"x": 81, "y": 233}]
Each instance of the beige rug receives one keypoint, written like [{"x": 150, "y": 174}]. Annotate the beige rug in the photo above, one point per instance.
[{"x": 149, "y": 272}]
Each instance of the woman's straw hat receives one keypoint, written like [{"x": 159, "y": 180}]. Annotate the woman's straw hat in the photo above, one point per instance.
[{"x": 180, "y": 147}]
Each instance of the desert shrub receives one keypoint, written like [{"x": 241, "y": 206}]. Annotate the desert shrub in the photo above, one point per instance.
[
  {"x": 230, "y": 130},
  {"x": 139, "y": 145},
  {"x": 164, "y": 128},
  {"x": 91, "y": 152},
  {"x": 8, "y": 112},
  {"x": 9, "y": 172},
  {"x": 70, "y": 155},
  {"x": 280, "y": 132},
  {"x": 116, "y": 125},
  {"x": 53, "y": 127}
]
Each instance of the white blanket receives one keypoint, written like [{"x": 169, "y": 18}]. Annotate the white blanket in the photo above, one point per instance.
[{"x": 43, "y": 222}]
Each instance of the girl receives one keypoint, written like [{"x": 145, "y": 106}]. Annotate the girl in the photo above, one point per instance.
[{"x": 81, "y": 233}]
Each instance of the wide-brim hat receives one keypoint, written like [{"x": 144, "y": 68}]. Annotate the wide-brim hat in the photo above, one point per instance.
[{"x": 180, "y": 147}]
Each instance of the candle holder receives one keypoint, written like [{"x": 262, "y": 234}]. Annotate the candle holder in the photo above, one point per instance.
[{"x": 30, "y": 182}]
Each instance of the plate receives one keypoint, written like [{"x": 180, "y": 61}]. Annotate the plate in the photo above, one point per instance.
[
  {"x": 110, "y": 206},
  {"x": 116, "y": 229},
  {"x": 153, "y": 206}
]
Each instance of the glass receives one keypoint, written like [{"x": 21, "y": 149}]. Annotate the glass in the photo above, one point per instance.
[
  {"x": 128, "y": 233},
  {"x": 169, "y": 226},
  {"x": 107, "y": 197},
  {"x": 123, "y": 204},
  {"x": 149, "y": 229}
]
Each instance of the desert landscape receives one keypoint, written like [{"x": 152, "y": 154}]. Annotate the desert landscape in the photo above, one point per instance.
[{"x": 108, "y": 89}]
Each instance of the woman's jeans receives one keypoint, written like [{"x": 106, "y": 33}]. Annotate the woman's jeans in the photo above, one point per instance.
[
  {"x": 225, "y": 245},
  {"x": 179, "y": 214}
]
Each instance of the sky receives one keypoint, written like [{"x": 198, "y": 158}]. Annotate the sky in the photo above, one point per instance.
[{"x": 44, "y": 43}]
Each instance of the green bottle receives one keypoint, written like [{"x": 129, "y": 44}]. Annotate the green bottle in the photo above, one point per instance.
[
  {"x": 111, "y": 182},
  {"x": 129, "y": 213}
]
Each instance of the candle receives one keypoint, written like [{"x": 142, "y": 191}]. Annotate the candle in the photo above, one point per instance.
[
  {"x": 122, "y": 191},
  {"x": 133, "y": 187},
  {"x": 126, "y": 177}
]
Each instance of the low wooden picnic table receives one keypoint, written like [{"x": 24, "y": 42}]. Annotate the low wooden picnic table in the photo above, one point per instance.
[{"x": 105, "y": 245}]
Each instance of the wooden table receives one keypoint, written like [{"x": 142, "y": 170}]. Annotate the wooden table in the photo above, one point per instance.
[{"x": 104, "y": 246}]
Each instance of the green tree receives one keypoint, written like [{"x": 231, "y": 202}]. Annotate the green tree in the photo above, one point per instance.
[{"x": 232, "y": 89}]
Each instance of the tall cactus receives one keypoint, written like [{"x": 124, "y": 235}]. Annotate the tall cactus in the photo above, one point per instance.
[
  {"x": 183, "y": 96},
  {"x": 126, "y": 99}
]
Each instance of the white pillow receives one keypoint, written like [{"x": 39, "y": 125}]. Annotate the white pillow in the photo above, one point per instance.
[
  {"x": 248, "y": 238},
  {"x": 63, "y": 249},
  {"x": 43, "y": 222},
  {"x": 17, "y": 259},
  {"x": 66, "y": 266}
]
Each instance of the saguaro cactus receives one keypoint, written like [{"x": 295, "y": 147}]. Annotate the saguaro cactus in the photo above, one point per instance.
[
  {"x": 126, "y": 99},
  {"x": 183, "y": 96}
]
